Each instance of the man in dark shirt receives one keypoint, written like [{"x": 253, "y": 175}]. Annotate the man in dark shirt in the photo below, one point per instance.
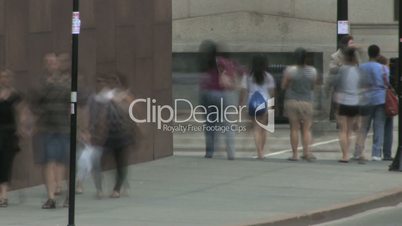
[{"x": 52, "y": 108}]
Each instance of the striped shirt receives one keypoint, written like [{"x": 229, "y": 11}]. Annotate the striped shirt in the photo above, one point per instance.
[{"x": 301, "y": 85}]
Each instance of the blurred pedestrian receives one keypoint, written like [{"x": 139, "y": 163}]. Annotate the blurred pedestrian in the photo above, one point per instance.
[
  {"x": 53, "y": 125},
  {"x": 261, "y": 83},
  {"x": 116, "y": 132},
  {"x": 299, "y": 82},
  {"x": 347, "y": 86},
  {"x": 94, "y": 136},
  {"x": 11, "y": 110},
  {"x": 218, "y": 80}
]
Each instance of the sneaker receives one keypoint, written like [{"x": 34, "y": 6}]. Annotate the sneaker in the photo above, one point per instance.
[
  {"x": 375, "y": 158},
  {"x": 388, "y": 159},
  {"x": 49, "y": 204}
]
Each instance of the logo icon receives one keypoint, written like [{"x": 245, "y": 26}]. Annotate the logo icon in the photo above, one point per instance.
[{"x": 270, "y": 127}]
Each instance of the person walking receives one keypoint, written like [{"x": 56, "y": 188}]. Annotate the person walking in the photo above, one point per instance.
[
  {"x": 111, "y": 128},
  {"x": 299, "y": 82},
  {"x": 11, "y": 109},
  {"x": 53, "y": 129}
]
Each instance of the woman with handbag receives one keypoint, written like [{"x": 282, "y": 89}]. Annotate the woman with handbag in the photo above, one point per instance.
[
  {"x": 378, "y": 77},
  {"x": 218, "y": 80},
  {"x": 389, "y": 120}
]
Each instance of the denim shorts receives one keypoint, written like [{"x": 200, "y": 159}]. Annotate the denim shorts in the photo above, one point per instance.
[{"x": 53, "y": 147}]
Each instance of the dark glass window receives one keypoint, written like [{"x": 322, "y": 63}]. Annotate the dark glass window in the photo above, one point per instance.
[{"x": 396, "y": 10}]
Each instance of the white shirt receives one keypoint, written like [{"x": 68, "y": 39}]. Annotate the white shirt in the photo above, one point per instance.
[{"x": 252, "y": 87}]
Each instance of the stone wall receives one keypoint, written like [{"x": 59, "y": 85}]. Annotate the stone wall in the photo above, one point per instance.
[{"x": 132, "y": 37}]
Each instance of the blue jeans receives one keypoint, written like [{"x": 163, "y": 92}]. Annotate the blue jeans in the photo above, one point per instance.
[
  {"x": 211, "y": 100},
  {"x": 377, "y": 117},
  {"x": 53, "y": 147}
]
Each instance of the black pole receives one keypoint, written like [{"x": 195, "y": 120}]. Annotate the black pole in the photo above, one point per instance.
[
  {"x": 342, "y": 15},
  {"x": 342, "y": 21},
  {"x": 396, "y": 164},
  {"x": 76, "y": 24}
]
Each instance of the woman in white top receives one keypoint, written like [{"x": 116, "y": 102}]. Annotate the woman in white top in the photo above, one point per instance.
[{"x": 259, "y": 81}]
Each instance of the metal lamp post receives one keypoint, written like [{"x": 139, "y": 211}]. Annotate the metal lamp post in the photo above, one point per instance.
[{"x": 76, "y": 25}]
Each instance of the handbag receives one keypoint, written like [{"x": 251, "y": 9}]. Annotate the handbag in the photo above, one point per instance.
[
  {"x": 391, "y": 99},
  {"x": 227, "y": 73},
  {"x": 85, "y": 161}
]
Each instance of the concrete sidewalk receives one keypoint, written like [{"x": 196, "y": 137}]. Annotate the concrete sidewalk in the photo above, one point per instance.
[{"x": 185, "y": 191}]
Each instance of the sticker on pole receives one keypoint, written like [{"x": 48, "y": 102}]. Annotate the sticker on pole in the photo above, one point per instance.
[
  {"x": 76, "y": 23},
  {"x": 72, "y": 108},
  {"x": 73, "y": 97},
  {"x": 343, "y": 27}
]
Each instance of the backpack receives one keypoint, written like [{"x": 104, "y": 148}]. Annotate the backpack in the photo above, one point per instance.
[{"x": 257, "y": 105}]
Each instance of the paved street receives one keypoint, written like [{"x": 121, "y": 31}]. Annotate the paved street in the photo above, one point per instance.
[
  {"x": 387, "y": 216},
  {"x": 187, "y": 189},
  {"x": 183, "y": 191}
]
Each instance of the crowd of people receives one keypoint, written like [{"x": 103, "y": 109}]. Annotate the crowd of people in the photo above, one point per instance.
[
  {"x": 357, "y": 90},
  {"x": 44, "y": 117}
]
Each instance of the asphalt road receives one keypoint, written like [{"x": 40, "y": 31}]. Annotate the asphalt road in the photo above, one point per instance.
[{"x": 390, "y": 216}]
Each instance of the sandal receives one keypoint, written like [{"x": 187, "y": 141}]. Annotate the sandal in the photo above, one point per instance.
[
  {"x": 343, "y": 161},
  {"x": 3, "y": 203},
  {"x": 292, "y": 159},
  {"x": 58, "y": 191},
  {"x": 49, "y": 204},
  {"x": 309, "y": 158}
]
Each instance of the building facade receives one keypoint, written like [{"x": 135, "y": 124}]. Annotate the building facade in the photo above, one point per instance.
[{"x": 280, "y": 26}]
